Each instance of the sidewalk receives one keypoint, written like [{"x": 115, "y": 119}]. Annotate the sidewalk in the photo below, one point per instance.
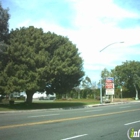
[
  {"x": 113, "y": 103},
  {"x": 107, "y": 104}
]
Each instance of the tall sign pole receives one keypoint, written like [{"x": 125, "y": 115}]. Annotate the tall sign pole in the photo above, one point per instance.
[
  {"x": 101, "y": 100},
  {"x": 101, "y": 78}
]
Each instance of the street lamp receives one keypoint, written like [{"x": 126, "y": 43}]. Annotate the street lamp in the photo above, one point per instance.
[
  {"x": 110, "y": 45},
  {"x": 101, "y": 73}
]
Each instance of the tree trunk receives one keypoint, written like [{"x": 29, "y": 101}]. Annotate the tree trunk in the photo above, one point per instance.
[
  {"x": 29, "y": 97},
  {"x": 66, "y": 95},
  {"x": 94, "y": 96},
  {"x": 78, "y": 95}
]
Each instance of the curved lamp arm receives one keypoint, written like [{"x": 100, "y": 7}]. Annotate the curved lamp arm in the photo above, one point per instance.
[{"x": 110, "y": 45}]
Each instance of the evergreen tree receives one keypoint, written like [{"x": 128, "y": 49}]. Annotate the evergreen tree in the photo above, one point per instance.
[
  {"x": 4, "y": 17},
  {"x": 4, "y": 27},
  {"x": 41, "y": 61}
]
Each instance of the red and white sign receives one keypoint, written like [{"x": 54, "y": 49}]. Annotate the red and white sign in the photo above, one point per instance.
[
  {"x": 109, "y": 91},
  {"x": 110, "y": 80},
  {"x": 109, "y": 85}
]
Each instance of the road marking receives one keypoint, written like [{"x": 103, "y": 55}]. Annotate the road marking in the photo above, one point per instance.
[
  {"x": 42, "y": 115},
  {"x": 74, "y": 137},
  {"x": 93, "y": 110},
  {"x": 132, "y": 122},
  {"x": 125, "y": 107},
  {"x": 66, "y": 119}
]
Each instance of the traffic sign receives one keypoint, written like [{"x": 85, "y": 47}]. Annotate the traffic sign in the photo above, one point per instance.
[{"x": 119, "y": 87}]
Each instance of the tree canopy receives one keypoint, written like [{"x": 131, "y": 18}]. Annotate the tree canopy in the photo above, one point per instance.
[
  {"x": 4, "y": 30},
  {"x": 104, "y": 74},
  {"x": 86, "y": 83},
  {"x": 128, "y": 75},
  {"x": 4, "y": 27},
  {"x": 39, "y": 61}
]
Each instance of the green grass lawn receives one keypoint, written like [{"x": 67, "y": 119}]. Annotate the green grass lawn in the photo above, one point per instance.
[{"x": 44, "y": 104}]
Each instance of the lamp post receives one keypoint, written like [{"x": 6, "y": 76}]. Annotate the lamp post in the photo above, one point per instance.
[{"x": 101, "y": 101}]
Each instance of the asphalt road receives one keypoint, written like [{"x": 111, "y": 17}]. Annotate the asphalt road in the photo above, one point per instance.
[{"x": 96, "y": 123}]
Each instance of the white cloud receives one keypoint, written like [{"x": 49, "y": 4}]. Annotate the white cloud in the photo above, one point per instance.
[
  {"x": 94, "y": 28},
  {"x": 89, "y": 11}
]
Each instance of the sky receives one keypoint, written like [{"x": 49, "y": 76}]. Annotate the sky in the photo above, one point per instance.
[{"x": 91, "y": 25}]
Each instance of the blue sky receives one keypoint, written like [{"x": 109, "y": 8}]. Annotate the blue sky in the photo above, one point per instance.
[{"x": 90, "y": 24}]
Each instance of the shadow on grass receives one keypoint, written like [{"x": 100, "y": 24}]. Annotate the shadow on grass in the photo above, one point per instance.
[{"x": 24, "y": 106}]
